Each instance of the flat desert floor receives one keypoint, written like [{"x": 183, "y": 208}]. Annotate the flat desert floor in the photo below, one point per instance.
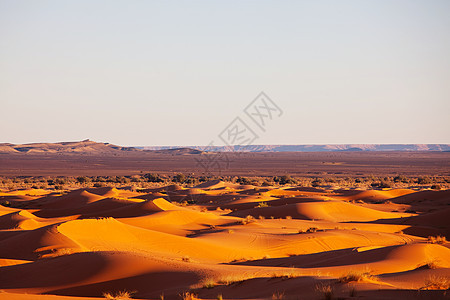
[
  {"x": 362, "y": 163},
  {"x": 232, "y": 242}
]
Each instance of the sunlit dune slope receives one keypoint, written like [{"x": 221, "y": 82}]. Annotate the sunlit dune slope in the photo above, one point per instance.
[{"x": 218, "y": 238}]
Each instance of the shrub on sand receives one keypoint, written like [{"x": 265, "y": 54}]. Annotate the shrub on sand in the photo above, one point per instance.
[
  {"x": 429, "y": 264},
  {"x": 122, "y": 295},
  {"x": 311, "y": 230},
  {"x": 278, "y": 296},
  {"x": 437, "y": 239},
  {"x": 437, "y": 283},
  {"x": 247, "y": 220},
  {"x": 208, "y": 283},
  {"x": 357, "y": 277},
  {"x": 326, "y": 290},
  {"x": 261, "y": 204},
  {"x": 188, "y": 296}
]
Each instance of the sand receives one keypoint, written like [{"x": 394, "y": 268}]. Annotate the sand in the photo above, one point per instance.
[{"x": 240, "y": 242}]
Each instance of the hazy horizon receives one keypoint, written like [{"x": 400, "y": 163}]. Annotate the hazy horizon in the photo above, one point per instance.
[{"x": 172, "y": 73}]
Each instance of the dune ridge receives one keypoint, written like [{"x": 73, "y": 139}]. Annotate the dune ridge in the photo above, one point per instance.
[{"x": 229, "y": 239}]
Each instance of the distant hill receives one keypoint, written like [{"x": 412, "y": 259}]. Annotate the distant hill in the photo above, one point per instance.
[
  {"x": 86, "y": 147},
  {"x": 93, "y": 148},
  {"x": 178, "y": 151},
  {"x": 315, "y": 148}
]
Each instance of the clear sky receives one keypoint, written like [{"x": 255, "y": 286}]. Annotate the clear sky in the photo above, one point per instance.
[{"x": 178, "y": 72}]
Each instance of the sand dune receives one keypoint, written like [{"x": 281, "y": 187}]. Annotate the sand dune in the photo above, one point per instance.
[
  {"x": 334, "y": 211},
  {"x": 85, "y": 146},
  {"x": 238, "y": 241}
]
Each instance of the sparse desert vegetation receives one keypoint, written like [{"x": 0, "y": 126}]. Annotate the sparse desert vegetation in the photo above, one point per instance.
[
  {"x": 220, "y": 237},
  {"x": 436, "y": 282},
  {"x": 239, "y": 150},
  {"x": 121, "y": 295},
  {"x": 326, "y": 291},
  {"x": 149, "y": 180},
  {"x": 355, "y": 276},
  {"x": 437, "y": 239}
]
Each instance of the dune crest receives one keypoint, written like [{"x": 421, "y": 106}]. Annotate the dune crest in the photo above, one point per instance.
[{"x": 221, "y": 238}]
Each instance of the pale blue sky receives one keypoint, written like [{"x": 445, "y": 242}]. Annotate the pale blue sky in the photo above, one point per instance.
[{"x": 177, "y": 72}]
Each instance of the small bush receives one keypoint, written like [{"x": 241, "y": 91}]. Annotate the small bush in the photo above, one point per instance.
[
  {"x": 188, "y": 296},
  {"x": 436, "y": 187},
  {"x": 61, "y": 181},
  {"x": 317, "y": 182},
  {"x": 385, "y": 184},
  {"x": 424, "y": 180},
  {"x": 122, "y": 295},
  {"x": 179, "y": 178},
  {"x": 266, "y": 183},
  {"x": 401, "y": 178},
  {"x": 243, "y": 181},
  {"x": 83, "y": 179},
  {"x": 326, "y": 290},
  {"x": 262, "y": 204},
  {"x": 352, "y": 292},
  {"x": 437, "y": 239},
  {"x": 153, "y": 178},
  {"x": 285, "y": 179},
  {"x": 437, "y": 283},
  {"x": 430, "y": 264},
  {"x": 311, "y": 230},
  {"x": 247, "y": 220},
  {"x": 278, "y": 296},
  {"x": 357, "y": 277},
  {"x": 382, "y": 184},
  {"x": 208, "y": 284}
]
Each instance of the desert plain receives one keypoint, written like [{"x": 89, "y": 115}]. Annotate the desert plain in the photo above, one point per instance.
[{"x": 175, "y": 235}]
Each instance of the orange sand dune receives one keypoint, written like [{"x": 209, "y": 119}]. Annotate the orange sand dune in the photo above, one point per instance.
[
  {"x": 24, "y": 220},
  {"x": 438, "y": 197},
  {"x": 382, "y": 260},
  {"x": 225, "y": 239},
  {"x": 72, "y": 200},
  {"x": 375, "y": 194},
  {"x": 335, "y": 211}
]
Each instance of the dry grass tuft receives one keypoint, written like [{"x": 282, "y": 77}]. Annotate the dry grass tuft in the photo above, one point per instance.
[
  {"x": 437, "y": 283},
  {"x": 234, "y": 278},
  {"x": 188, "y": 296},
  {"x": 208, "y": 283},
  {"x": 326, "y": 290},
  {"x": 430, "y": 264},
  {"x": 278, "y": 296},
  {"x": 437, "y": 239},
  {"x": 352, "y": 292},
  {"x": 357, "y": 277},
  {"x": 247, "y": 220},
  {"x": 262, "y": 204},
  {"x": 311, "y": 230},
  {"x": 122, "y": 295}
]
